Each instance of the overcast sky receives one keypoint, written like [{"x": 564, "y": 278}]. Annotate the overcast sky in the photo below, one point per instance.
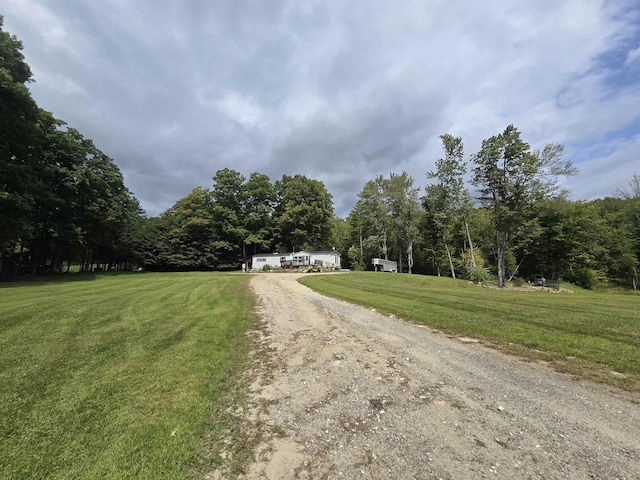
[{"x": 339, "y": 91}]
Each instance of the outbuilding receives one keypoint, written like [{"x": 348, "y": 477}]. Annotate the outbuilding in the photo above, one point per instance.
[{"x": 382, "y": 265}]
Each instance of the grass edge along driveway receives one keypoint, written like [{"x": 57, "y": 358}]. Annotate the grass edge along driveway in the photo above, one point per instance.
[
  {"x": 592, "y": 335},
  {"x": 121, "y": 376}
]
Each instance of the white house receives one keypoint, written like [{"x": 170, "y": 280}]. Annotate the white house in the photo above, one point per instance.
[
  {"x": 327, "y": 259},
  {"x": 271, "y": 259}
]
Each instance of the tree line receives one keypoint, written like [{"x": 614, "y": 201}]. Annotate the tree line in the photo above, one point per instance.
[
  {"x": 221, "y": 227},
  {"x": 502, "y": 215},
  {"x": 520, "y": 223},
  {"x": 62, "y": 200}
]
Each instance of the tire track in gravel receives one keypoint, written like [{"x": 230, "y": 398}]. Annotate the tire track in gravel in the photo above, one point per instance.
[{"x": 356, "y": 394}]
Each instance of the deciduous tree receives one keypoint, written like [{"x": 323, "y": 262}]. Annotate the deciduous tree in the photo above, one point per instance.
[
  {"x": 19, "y": 160},
  {"x": 511, "y": 178},
  {"x": 402, "y": 198},
  {"x": 447, "y": 200},
  {"x": 371, "y": 219},
  {"x": 259, "y": 197},
  {"x": 303, "y": 213},
  {"x": 228, "y": 217}
]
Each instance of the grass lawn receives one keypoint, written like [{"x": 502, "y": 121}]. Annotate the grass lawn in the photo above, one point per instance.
[
  {"x": 590, "y": 334},
  {"x": 120, "y": 376}
]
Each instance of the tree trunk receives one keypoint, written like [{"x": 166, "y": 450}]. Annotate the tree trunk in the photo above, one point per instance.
[
  {"x": 54, "y": 265},
  {"x": 83, "y": 262},
  {"x": 453, "y": 272},
  {"x": 384, "y": 245},
  {"x": 501, "y": 247},
  {"x": 517, "y": 267},
  {"x": 473, "y": 258},
  {"x": 410, "y": 257},
  {"x": 635, "y": 278}
]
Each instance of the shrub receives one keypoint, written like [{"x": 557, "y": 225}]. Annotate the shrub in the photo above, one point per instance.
[
  {"x": 585, "y": 277},
  {"x": 355, "y": 260},
  {"x": 479, "y": 273}
]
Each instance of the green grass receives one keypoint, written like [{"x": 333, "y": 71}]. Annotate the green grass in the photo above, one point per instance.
[
  {"x": 586, "y": 333},
  {"x": 119, "y": 376}
]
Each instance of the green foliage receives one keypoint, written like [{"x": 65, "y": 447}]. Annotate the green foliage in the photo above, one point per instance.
[
  {"x": 402, "y": 198},
  {"x": 480, "y": 275},
  {"x": 259, "y": 197},
  {"x": 61, "y": 199},
  {"x": 182, "y": 238},
  {"x": 355, "y": 259},
  {"x": 371, "y": 219},
  {"x": 476, "y": 271},
  {"x": 511, "y": 178},
  {"x": 579, "y": 236},
  {"x": 340, "y": 235},
  {"x": 18, "y": 143},
  {"x": 303, "y": 214},
  {"x": 219, "y": 229},
  {"x": 125, "y": 376},
  {"x": 631, "y": 197},
  {"x": 447, "y": 202},
  {"x": 386, "y": 217},
  {"x": 585, "y": 278},
  {"x": 228, "y": 219}
]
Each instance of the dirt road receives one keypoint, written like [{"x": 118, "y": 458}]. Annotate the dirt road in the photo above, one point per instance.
[{"x": 356, "y": 394}]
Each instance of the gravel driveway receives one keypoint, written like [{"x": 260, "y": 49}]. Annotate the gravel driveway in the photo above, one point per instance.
[{"x": 357, "y": 394}]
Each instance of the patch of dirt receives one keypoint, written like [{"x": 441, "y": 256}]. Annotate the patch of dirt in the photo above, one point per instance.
[
  {"x": 356, "y": 394},
  {"x": 530, "y": 288}
]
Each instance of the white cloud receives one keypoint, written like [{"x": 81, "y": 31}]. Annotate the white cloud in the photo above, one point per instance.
[
  {"x": 336, "y": 90},
  {"x": 602, "y": 175},
  {"x": 241, "y": 108},
  {"x": 633, "y": 56}
]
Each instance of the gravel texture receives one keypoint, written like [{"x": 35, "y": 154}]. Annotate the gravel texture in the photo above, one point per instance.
[{"x": 355, "y": 394}]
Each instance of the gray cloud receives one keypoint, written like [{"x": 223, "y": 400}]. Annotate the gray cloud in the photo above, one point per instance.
[{"x": 338, "y": 91}]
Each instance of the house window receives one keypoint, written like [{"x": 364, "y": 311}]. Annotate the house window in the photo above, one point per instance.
[{"x": 261, "y": 259}]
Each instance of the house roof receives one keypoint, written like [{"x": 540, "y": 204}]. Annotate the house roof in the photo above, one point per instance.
[
  {"x": 317, "y": 252},
  {"x": 287, "y": 254}
]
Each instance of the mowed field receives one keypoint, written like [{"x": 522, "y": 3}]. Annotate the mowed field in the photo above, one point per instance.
[
  {"x": 133, "y": 375},
  {"x": 120, "y": 376},
  {"x": 593, "y": 335}
]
